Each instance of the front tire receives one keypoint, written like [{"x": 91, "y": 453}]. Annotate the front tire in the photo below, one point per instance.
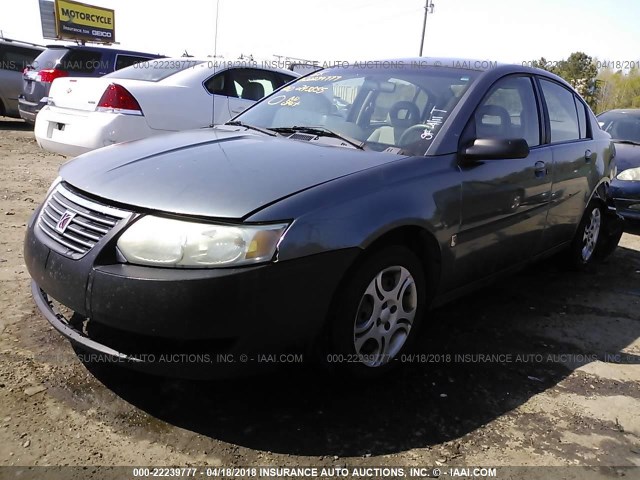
[{"x": 378, "y": 313}]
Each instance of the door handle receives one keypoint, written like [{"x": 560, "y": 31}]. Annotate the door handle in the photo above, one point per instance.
[
  {"x": 588, "y": 155},
  {"x": 540, "y": 169}
]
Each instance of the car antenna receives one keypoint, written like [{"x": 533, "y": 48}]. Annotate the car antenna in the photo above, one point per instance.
[{"x": 215, "y": 60}]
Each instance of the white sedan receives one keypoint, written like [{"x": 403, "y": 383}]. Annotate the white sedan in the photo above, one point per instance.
[{"x": 149, "y": 98}]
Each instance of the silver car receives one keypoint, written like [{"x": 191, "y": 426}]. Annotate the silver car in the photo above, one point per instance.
[{"x": 14, "y": 58}]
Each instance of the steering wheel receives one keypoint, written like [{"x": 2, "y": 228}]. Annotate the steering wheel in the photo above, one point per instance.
[{"x": 416, "y": 131}]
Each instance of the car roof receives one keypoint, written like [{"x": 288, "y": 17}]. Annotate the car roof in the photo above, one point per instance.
[
  {"x": 487, "y": 68},
  {"x": 478, "y": 64},
  {"x": 102, "y": 49},
  {"x": 20, "y": 43},
  {"x": 223, "y": 64}
]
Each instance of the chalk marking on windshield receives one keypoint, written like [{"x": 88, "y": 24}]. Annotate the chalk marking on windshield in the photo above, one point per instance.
[{"x": 276, "y": 100}]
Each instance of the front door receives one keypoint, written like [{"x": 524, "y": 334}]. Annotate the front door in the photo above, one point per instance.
[{"x": 504, "y": 202}]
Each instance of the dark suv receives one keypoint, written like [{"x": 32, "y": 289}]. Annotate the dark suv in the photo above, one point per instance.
[{"x": 69, "y": 60}]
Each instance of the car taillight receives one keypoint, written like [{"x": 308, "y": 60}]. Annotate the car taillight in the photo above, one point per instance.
[
  {"x": 50, "y": 74},
  {"x": 118, "y": 99}
]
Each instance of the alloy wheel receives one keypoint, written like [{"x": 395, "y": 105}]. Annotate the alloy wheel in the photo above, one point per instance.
[
  {"x": 385, "y": 316},
  {"x": 591, "y": 234}
]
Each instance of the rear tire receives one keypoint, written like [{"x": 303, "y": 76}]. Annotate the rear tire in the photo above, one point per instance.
[
  {"x": 378, "y": 313},
  {"x": 587, "y": 242}
]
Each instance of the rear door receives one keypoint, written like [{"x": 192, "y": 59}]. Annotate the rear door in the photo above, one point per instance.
[
  {"x": 574, "y": 155},
  {"x": 504, "y": 202}
]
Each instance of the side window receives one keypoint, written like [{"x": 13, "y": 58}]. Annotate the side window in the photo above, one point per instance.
[
  {"x": 562, "y": 112},
  {"x": 16, "y": 58},
  {"x": 123, "y": 61},
  {"x": 82, "y": 61},
  {"x": 251, "y": 83},
  {"x": 582, "y": 118},
  {"x": 509, "y": 111},
  {"x": 217, "y": 84}
]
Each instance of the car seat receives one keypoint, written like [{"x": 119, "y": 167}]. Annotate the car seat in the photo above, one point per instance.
[
  {"x": 402, "y": 115},
  {"x": 493, "y": 121},
  {"x": 252, "y": 91}
]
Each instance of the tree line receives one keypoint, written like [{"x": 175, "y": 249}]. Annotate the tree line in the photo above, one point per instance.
[{"x": 603, "y": 85}]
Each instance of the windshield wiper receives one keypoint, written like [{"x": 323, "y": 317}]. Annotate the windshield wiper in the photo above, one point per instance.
[
  {"x": 322, "y": 131},
  {"x": 266, "y": 131},
  {"x": 626, "y": 142}
]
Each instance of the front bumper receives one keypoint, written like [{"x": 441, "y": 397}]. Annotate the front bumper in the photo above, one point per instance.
[
  {"x": 142, "y": 316},
  {"x": 626, "y": 196}
]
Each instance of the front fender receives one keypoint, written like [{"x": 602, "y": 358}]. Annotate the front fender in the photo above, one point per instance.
[{"x": 355, "y": 210}]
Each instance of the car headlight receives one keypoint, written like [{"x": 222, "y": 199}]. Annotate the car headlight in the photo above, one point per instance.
[
  {"x": 176, "y": 243},
  {"x": 630, "y": 175}
]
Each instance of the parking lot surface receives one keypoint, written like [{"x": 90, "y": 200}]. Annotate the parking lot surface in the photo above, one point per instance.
[{"x": 542, "y": 368}]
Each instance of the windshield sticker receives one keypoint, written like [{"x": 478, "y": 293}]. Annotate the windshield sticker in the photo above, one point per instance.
[
  {"x": 328, "y": 78},
  {"x": 427, "y": 135},
  {"x": 311, "y": 89},
  {"x": 291, "y": 102},
  {"x": 276, "y": 100},
  {"x": 283, "y": 101},
  {"x": 306, "y": 89},
  {"x": 436, "y": 119}
]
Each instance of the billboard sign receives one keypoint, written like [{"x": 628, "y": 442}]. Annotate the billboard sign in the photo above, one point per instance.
[{"x": 79, "y": 21}]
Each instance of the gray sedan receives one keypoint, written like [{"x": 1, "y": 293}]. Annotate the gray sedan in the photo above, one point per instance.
[{"x": 325, "y": 220}]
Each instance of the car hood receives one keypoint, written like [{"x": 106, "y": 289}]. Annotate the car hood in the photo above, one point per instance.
[
  {"x": 627, "y": 156},
  {"x": 218, "y": 172}
]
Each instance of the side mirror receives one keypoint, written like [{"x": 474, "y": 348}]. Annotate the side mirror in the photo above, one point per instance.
[{"x": 495, "y": 149}]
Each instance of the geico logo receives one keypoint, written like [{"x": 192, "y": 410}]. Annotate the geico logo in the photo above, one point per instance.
[{"x": 99, "y": 33}]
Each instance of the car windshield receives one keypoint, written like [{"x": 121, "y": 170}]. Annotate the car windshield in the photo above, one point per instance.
[
  {"x": 382, "y": 109},
  {"x": 621, "y": 126},
  {"x": 154, "y": 70}
]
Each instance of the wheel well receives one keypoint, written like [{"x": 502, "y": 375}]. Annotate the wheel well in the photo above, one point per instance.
[
  {"x": 419, "y": 241},
  {"x": 2, "y": 110},
  {"x": 422, "y": 243},
  {"x": 600, "y": 194}
]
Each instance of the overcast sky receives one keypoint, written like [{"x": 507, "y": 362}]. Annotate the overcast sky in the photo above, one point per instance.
[{"x": 347, "y": 30}]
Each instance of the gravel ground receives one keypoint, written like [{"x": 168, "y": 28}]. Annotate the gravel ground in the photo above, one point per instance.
[{"x": 566, "y": 390}]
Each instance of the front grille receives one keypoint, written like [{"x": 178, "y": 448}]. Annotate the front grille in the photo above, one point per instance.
[{"x": 74, "y": 223}]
